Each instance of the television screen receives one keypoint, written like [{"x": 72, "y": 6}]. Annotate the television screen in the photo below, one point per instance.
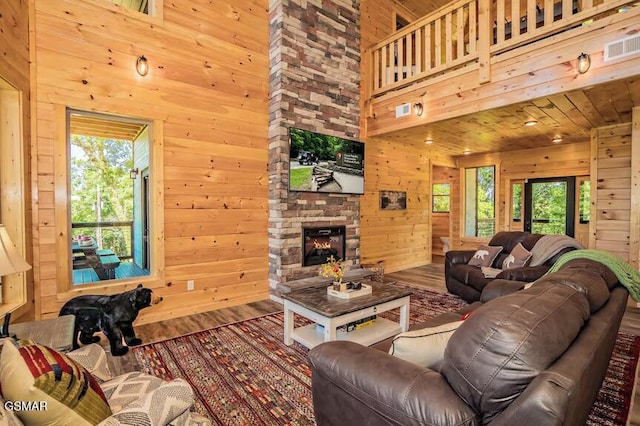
[{"x": 324, "y": 163}]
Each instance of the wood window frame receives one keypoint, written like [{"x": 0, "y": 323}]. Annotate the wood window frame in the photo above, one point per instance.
[
  {"x": 65, "y": 287},
  {"x": 13, "y": 192}
]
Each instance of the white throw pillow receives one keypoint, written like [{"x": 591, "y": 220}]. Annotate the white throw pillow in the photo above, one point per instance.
[{"x": 424, "y": 347}]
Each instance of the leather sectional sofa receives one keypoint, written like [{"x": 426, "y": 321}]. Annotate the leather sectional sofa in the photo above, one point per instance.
[
  {"x": 467, "y": 281},
  {"x": 533, "y": 357}
]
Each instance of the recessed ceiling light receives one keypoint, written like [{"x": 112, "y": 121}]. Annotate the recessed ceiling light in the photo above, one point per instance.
[
  {"x": 530, "y": 123},
  {"x": 428, "y": 141},
  {"x": 466, "y": 152},
  {"x": 557, "y": 139}
]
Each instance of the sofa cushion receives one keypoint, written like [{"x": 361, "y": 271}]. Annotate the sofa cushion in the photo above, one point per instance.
[
  {"x": 32, "y": 372},
  {"x": 584, "y": 277},
  {"x": 509, "y": 239},
  {"x": 507, "y": 342},
  {"x": 517, "y": 258},
  {"x": 424, "y": 347},
  {"x": 485, "y": 255}
]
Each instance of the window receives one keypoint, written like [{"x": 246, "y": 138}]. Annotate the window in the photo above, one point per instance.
[
  {"x": 585, "y": 201},
  {"x": 13, "y": 212},
  {"x": 516, "y": 202},
  {"x": 401, "y": 22},
  {"x": 109, "y": 166},
  {"x": 480, "y": 201},
  {"x": 441, "y": 198},
  {"x": 144, "y": 6}
]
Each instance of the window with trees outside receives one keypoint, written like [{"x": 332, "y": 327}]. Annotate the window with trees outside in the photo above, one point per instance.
[
  {"x": 516, "y": 198},
  {"x": 479, "y": 201},
  {"x": 585, "y": 201},
  {"x": 110, "y": 197},
  {"x": 441, "y": 198}
]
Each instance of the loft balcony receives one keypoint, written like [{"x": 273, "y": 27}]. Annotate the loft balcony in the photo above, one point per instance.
[{"x": 478, "y": 54}]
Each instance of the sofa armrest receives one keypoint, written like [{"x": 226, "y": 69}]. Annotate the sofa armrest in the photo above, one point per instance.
[
  {"x": 94, "y": 359},
  {"x": 354, "y": 384},
  {"x": 161, "y": 406},
  {"x": 526, "y": 273}
]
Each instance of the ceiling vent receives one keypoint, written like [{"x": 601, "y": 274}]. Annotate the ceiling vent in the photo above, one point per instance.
[
  {"x": 623, "y": 47},
  {"x": 402, "y": 110}
]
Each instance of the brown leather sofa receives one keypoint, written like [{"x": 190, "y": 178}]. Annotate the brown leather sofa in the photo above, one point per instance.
[
  {"x": 533, "y": 357},
  {"x": 467, "y": 281}
]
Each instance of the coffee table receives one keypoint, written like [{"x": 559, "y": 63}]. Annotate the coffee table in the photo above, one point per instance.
[{"x": 329, "y": 312}]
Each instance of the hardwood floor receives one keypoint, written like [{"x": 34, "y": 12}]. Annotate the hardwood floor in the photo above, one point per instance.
[{"x": 429, "y": 276}]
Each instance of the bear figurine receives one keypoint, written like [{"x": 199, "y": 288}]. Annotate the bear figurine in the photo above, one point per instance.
[{"x": 113, "y": 315}]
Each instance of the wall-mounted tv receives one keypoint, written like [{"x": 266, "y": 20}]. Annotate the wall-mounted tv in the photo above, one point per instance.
[{"x": 324, "y": 163}]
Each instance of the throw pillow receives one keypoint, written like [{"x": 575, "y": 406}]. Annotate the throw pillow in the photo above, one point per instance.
[
  {"x": 66, "y": 393},
  {"x": 485, "y": 255},
  {"x": 518, "y": 258},
  {"x": 424, "y": 347}
]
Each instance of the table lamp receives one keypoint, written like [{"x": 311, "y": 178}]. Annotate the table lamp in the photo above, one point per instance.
[{"x": 10, "y": 260}]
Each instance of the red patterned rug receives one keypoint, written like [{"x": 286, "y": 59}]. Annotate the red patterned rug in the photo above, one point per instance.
[{"x": 243, "y": 373}]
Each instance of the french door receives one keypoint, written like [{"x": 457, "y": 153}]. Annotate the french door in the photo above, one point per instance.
[{"x": 550, "y": 206}]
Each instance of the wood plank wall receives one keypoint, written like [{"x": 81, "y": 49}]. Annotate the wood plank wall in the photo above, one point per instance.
[
  {"x": 611, "y": 186},
  {"x": 15, "y": 70},
  {"x": 402, "y": 238},
  {"x": 562, "y": 160},
  {"x": 207, "y": 94},
  {"x": 441, "y": 221}
]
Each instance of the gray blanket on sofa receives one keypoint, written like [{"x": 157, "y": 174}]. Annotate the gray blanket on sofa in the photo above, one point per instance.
[{"x": 549, "y": 245}]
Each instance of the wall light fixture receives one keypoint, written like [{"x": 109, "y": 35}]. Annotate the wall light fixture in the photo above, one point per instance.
[
  {"x": 141, "y": 65},
  {"x": 418, "y": 108},
  {"x": 584, "y": 63}
]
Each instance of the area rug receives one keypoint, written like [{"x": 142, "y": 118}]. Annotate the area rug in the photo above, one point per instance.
[{"x": 243, "y": 373}]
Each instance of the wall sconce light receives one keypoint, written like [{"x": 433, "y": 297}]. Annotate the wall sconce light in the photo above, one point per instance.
[
  {"x": 418, "y": 108},
  {"x": 584, "y": 63},
  {"x": 141, "y": 65},
  {"x": 556, "y": 139},
  {"x": 133, "y": 173}
]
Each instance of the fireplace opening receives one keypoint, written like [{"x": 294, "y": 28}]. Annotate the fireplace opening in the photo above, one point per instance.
[{"x": 331, "y": 239}]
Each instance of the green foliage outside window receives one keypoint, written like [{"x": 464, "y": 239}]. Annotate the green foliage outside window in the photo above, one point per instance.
[
  {"x": 480, "y": 201},
  {"x": 101, "y": 189},
  {"x": 517, "y": 202},
  {"x": 550, "y": 208},
  {"x": 441, "y": 198},
  {"x": 585, "y": 201}
]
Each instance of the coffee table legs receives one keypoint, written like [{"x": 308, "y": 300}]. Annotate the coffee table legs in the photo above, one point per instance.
[
  {"x": 404, "y": 317},
  {"x": 288, "y": 325}
]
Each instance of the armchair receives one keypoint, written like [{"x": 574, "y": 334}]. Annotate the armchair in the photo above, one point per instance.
[{"x": 132, "y": 398}]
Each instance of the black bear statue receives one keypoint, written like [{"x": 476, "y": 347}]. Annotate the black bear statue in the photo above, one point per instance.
[{"x": 113, "y": 315}]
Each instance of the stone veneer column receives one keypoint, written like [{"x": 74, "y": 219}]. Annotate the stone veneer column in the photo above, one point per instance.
[{"x": 314, "y": 85}]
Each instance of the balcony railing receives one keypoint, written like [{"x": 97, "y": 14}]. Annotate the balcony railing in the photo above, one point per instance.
[
  {"x": 467, "y": 33},
  {"x": 117, "y": 236}
]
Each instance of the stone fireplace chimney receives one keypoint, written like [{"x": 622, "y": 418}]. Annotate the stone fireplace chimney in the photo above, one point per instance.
[{"x": 315, "y": 77}]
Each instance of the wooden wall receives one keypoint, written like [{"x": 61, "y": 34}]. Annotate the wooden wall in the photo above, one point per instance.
[
  {"x": 402, "y": 238},
  {"x": 16, "y": 184},
  {"x": 611, "y": 189},
  {"x": 441, "y": 221},
  {"x": 562, "y": 160},
  {"x": 206, "y": 94}
]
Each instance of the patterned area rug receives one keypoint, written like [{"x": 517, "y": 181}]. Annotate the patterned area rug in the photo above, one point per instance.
[{"x": 243, "y": 373}]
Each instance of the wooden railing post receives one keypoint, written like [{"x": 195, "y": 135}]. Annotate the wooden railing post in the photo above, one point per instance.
[{"x": 484, "y": 41}]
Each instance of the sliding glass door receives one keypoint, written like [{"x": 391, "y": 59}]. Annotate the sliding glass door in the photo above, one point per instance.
[{"x": 550, "y": 206}]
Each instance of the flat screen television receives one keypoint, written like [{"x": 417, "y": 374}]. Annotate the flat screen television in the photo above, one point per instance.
[{"x": 324, "y": 163}]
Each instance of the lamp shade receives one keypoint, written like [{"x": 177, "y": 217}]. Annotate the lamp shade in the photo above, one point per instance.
[{"x": 10, "y": 260}]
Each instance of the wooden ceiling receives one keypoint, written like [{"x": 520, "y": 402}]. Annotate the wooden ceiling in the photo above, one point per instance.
[
  {"x": 570, "y": 116},
  {"x": 101, "y": 127}
]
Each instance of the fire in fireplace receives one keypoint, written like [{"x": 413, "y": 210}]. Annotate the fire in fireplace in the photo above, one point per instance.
[{"x": 332, "y": 237}]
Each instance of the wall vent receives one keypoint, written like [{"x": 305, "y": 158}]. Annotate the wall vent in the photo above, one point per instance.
[
  {"x": 623, "y": 47},
  {"x": 402, "y": 110}
]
